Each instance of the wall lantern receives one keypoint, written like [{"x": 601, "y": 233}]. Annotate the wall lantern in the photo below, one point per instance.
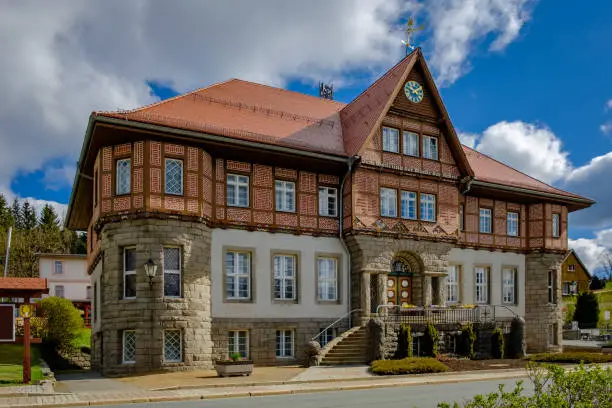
[{"x": 151, "y": 270}]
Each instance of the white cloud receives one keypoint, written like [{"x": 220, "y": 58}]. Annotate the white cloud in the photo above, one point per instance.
[
  {"x": 608, "y": 105},
  {"x": 590, "y": 252},
  {"x": 459, "y": 25},
  {"x": 468, "y": 139},
  {"x": 606, "y": 128},
  {"x": 57, "y": 177}
]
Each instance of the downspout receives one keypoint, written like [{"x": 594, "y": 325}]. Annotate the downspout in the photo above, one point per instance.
[{"x": 352, "y": 161}]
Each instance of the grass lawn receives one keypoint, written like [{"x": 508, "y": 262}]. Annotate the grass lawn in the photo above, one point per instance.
[
  {"x": 11, "y": 369},
  {"x": 83, "y": 339},
  {"x": 605, "y": 303}
]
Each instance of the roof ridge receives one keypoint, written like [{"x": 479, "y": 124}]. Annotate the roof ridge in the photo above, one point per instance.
[
  {"x": 511, "y": 167},
  {"x": 291, "y": 92}
]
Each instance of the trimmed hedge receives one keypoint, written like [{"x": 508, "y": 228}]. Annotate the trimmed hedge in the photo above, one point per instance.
[
  {"x": 415, "y": 365},
  {"x": 572, "y": 357},
  {"x": 497, "y": 343}
]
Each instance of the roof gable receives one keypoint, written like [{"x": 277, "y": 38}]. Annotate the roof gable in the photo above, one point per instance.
[{"x": 572, "y": 255}]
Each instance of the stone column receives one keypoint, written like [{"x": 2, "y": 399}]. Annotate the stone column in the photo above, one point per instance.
[
  {"x": 365, "y": 301},
  {"x": 381, "y": 280},
  {"x": 442, "y": 289},
  {"x": 427, "y": 296}
]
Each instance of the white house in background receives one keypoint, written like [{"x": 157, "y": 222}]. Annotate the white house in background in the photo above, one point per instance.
[{"x": 67, "y": 277}]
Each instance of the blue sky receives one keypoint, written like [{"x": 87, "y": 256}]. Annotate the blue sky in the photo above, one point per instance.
[{"x": 538, "y": 102}]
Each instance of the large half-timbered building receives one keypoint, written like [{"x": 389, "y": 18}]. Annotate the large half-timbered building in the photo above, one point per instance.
[{"x": 268, "y": 214}]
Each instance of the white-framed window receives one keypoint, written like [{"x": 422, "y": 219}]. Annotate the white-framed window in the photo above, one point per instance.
[
  {"x": 512, "y": 223},
  {"x": 123, "y": 177},
  {"x": 173, "y": 346},
  {"x": 409, "y": 205},
  {"x": 556, "y": 227},
  {"x": 129, "y": 347},
  {"x": 237, "y": 190},
  {"x": 551, "y": 287},
  {"x": 88, "y": 292},
  {"x": 285, "y": 196},
  {"x": 509, "y": 286},
  {"x": 284, "y": 277},
  {"x": 411, "y": 144},
  {"x": 328, "y": 201},
  {"x": 461, "y": 217},
  {"x": 58, "y": 267},
  {"x": 428, "y": 207},
  {"x": 174, "y": 177},
  {"x": 571, "y": 268},
  {"x": 238, "y": 275},
  {"x": 129, "y": 273},
  {"x": 390, "y": 140},
  {"x": 452, "y": 284},
  {"x": 388, "y": 202},
  {"x": 238, "y": 342},
  {"x": 284, "y": 343},
  {"x": 482, "y": 284},
  {"x": 570, "y": 288},
  {"x": 59, "y": 291},
  {"x": 327, "y": 279},
  {"x": 327, "y": 335},
  {"x": 484, "y": 221},
  {"x": 430, "y": 147},
  {"x": 172, "y": 272}
]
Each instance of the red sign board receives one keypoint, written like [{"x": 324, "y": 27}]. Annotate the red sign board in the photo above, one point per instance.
[{"x": 7, "y": 323}]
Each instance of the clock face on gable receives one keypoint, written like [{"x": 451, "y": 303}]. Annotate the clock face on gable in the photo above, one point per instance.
[{"x": 413, "y": 91}]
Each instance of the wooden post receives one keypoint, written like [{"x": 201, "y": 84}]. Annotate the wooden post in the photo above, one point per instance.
[{"x": 27, "y": 370}]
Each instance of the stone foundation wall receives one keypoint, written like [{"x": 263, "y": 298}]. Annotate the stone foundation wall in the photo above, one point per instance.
[
  {"x": 150, "y": 313},
  {"x": 262, "y": 337},
  {"x": 541, "y": 316}
]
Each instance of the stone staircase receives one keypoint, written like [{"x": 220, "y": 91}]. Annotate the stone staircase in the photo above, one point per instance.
[{"x": 351, "y": 348}]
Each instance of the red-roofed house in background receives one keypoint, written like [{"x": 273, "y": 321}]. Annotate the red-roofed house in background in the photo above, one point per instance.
[{"x": 245, "y": 218}]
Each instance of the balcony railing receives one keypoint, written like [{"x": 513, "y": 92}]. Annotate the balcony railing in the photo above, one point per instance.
[{"x": 437, "y": 314}]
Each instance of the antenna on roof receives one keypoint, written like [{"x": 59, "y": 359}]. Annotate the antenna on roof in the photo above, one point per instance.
[
  {"x": 410, "y": 30},
  {"x": 326, "y": 91}
]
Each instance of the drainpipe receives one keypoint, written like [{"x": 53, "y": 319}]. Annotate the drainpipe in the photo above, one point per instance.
[{"x": 352, "y": 161}]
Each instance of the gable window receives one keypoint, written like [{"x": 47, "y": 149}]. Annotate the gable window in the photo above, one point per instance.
[
  {"x": 327, "y": 279},
  {"x": 430, "y": 147},
  {"x": 285, "y": 196},
  {"x": 411, "y": 144},
  {"x": 461, "y": 218},
  {"x": 551, "y": 287},
  {"x": 237, "y": 190},
  {"x": 123, "y": 177},
  {"x": 484, "y": 221},
  {"x": 482, "y": 284},
  {"x": 428, "y": 207},
  {"x": 59, "y": 291},
  {"x": 284, "y": 343},
  {"x": 390, "y": 140},
  {"x": 129, "y": 347},
  {"x": 173, "y": 346},
  {"x": 571, "y": 268},
  {"x": 238, "y": 275},
  {"x": 174, "y": 177},
  {"x": 509, "y": 286},
  {"x": 284, "y": 277},
  {"x": 512, "y": 223},
  {"x": 238, "y": 342},
  {"x": 556, "y": 230},
  {"x": 328, "y": 201},
  {"x": 172, "y": 272},
  {"x": 388, "y": 202},
  {"x": 129, "y": 273},
  {"x": 58, "y": 267},
  {"x": 452, "y": 284},
  {"x": 409, "y": 205}
]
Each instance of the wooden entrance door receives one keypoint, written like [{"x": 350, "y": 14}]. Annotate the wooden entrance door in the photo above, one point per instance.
[{"x": 399, "y": 290}]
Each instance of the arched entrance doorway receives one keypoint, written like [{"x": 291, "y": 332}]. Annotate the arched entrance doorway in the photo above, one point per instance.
[{"x": 399, "y": 283}]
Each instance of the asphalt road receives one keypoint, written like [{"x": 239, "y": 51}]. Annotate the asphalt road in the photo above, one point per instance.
[{"x": 422, "y": 396}]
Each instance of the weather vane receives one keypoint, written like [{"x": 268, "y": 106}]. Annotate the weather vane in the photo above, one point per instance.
[{"x": 411, "y": 29}]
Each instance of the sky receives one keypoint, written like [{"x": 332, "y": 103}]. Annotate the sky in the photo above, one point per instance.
[{"x": 526, "y": 82}]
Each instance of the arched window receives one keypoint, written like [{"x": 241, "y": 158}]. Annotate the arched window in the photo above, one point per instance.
[{"x": 400, "y": 268}]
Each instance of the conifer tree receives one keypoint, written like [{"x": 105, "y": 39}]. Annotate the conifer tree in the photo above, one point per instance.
[
  {"x": 6, "y": 217},
  {"x": 29, "y": 216},
  {"x": 49, "y": 219},
  {"x": 17, "y": 214}
]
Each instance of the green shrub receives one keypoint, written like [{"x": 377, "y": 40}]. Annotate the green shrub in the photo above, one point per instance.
[
  {"x": 467, "y": 340},
  {"x": 587, "y": 310},
  {"x": 415, "y": 365},
  {"x": 497, "y": 343},
  {"x": 404, "y": 342},
  {"x": 571, "y": 357},
  {"x": 430, "y": 341},
  {"x": 568, "y": 313},
  {"x": 64, "y": 322},
  {"x": 554, "y": 387}
]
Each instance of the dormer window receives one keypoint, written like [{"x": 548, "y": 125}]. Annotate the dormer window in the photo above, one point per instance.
[
  {"x": 390, "y": 140},
  {"x": 430, "y": 147}
]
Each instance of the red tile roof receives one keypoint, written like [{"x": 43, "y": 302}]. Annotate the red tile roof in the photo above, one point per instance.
[{"x": 22, "y": 284}]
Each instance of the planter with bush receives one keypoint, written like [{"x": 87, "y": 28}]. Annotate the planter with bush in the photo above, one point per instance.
[
  {"x": 236, "y": 365},
  {"x": 414, "y": 365}
]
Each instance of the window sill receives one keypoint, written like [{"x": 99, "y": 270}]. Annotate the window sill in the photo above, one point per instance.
[
  {"x": 389, "y": 151},
  {"x": 485, "y": 233},
  {"x": 238, "y": 206},
  {"x": 328, "y": 302},
  {"x": 335, "y": 217},
  {"x": 128, "y": 363},
  {"x": 122, "y": 194},
  {"x": 285, "y": 301},
  {"x": 437, "y": 160},
  {"x": 128, "y": 298},
  {"x": 286, "y": 211},
  {"x": 226, "y": 300},
  {"x": 429, "y": 221},
  {"x": 174, "y": 194}
]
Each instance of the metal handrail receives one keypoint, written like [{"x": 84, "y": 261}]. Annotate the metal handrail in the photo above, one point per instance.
[{"x": 334, "y": 322}]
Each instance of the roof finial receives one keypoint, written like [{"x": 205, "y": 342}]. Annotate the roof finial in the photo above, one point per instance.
[
  {"x": 411, "y": 29},
  {"x": 326, "y": 91}
]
